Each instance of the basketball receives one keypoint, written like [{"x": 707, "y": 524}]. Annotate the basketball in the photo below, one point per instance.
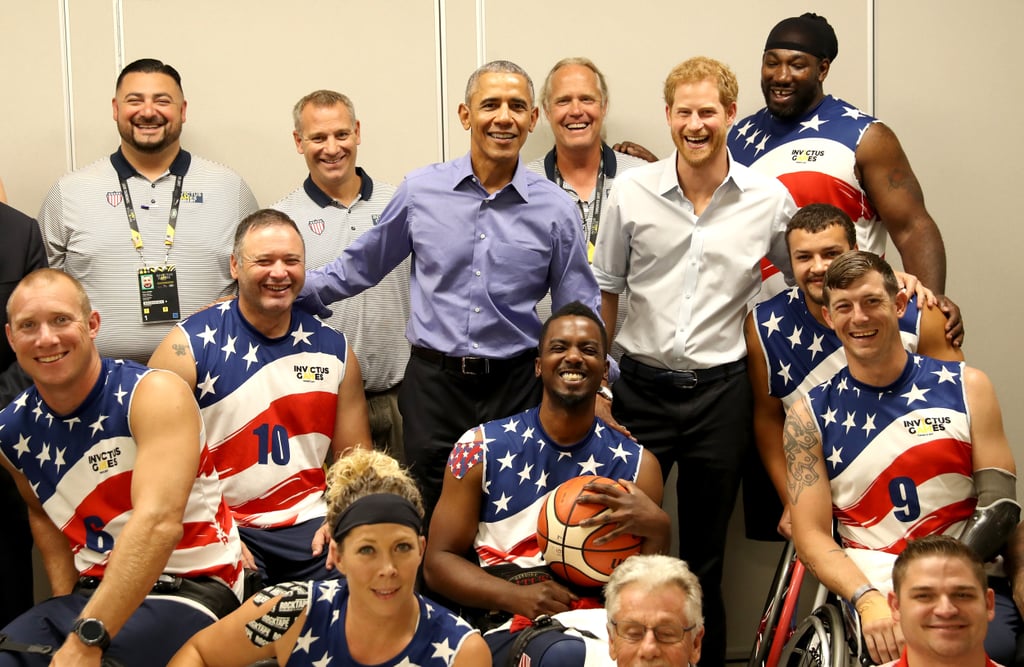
[{"x": 568, "y": 547}]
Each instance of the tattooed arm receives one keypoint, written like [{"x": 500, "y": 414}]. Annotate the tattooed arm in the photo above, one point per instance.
[
  {"x": 265, "y": 627},
  {"x": 810, "y": 504}
]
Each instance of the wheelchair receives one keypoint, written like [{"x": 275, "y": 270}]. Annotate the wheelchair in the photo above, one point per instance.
[{"x": 827, "y": 637}]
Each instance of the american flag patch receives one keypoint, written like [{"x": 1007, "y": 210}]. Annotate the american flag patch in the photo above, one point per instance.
[
  {"x": 466, "y": 454},
  {"x": 317, "y": 226},
  {"x": 114, "y": 198}
]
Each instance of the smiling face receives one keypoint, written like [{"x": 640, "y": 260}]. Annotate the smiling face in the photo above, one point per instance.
[
  {"x": 500, "y": 116},
  {"x": 811, "y": 253},
  {"x": 866, "y": 318},
  {"x": 380, "y": 561},
  {"x": 699, "y": 122},
  {"x": 328, "y": 139},
  {"x": 51, "y": 330},
  {"x": 792, "y": 81},
  {"x": 149, "y": 109},
  {"x": 663, "y": 607},
  {"x": 270, "y": 270},
  {"x": 572, "y": 361},
  {"x": 575, "y": 107},
  {"x": 942, "y": 609}
]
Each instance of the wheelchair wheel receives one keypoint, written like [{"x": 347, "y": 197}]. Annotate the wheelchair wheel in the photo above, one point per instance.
[
  {"x": 778, "y": 610},
  {"x": 819, "y": 641}
]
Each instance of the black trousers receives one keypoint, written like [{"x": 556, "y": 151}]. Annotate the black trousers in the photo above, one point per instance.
[
  {"x": 707, "y": 430},
  {"x": 16, "y": 553},
  {"x": 439, "y": 405}
]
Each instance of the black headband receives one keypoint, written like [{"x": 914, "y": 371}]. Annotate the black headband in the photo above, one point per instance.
[
  {"x": 808, "y": 33},
  {"x": 378, "y": 508}
]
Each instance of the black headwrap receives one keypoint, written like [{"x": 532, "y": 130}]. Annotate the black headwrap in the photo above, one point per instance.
[
  {"x": 808, "y": 32},
  {"x": 378, "y": 508}
]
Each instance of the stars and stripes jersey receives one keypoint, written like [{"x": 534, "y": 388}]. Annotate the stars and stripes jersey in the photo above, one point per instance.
[
  {"x": 270, "y": 407},
  {"x": 799, "y": 352},
  {"x": 522, "y": 464},
  {"x": 814, "y": 157},
  {"x": 439, "y": 635},
  {"x": 902, "y": 662},
  {"x": 898, "y": 457},
  {"x": 80, "y": 466}
]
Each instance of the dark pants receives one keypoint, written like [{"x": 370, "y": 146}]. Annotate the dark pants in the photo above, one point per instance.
[
  {"x": 286, "y": 553},
  {"x": 439, "y": 405},
  {"x": 16, "y": 553},
  {"x": 707, "y": 430}
]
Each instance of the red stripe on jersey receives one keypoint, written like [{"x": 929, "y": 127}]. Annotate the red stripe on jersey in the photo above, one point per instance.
[{"x": 286, "y": 494}]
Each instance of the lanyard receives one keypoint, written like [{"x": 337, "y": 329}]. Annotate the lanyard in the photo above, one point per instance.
[
  {"x": 172, "y": 221},
  {"x": 595, "y": 210}
]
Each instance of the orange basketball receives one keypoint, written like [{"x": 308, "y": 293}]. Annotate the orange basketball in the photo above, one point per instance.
[{"x": 568, "y": 547}]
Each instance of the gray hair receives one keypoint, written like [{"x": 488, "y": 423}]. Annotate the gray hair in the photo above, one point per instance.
[
  {"x": 497, "y": 67},
  {"x": 655, "y": 572},
  {"x": 321, "y": 99},
  {"x": 545, "y": 90}
]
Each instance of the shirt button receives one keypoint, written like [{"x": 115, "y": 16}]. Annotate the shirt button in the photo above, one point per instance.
[
  {"x": 152, "y": 201},
  {"x": 477, "y": 309},
  {"x": 483, "y": 236},
  {"x": 476, "y": 273},
  {"x": 476, "y": 346}
]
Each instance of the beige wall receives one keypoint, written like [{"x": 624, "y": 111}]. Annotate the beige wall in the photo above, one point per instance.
[{"x": 942, "y": 78}]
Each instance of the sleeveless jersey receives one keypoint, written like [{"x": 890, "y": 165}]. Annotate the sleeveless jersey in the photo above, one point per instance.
[
  {"x": 521, "y": 465},
  {"x": 80, "y": 466},
  {"x": 437, "y": 641},
  {"x": 799, "y": 352},
  {"x": 898, "y": 457},
  {"x": 269, "y": 407},
  {"x": 814, "y": 157}
]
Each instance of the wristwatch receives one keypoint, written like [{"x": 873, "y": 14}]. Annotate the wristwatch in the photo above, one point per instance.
[{"x": 92, "y": 632}]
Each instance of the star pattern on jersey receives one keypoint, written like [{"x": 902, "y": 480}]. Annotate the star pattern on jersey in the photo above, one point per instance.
[
  {"x": 590, "y": 466},
  {"x": 916, "y": 394},
  {"x": 753, "y": 137},
  {"x": 120, "y": 394},
  {"x": 835, "y": 458},
  {"x": 328, "y": 589},
  {"x": 19, "y": 402},
  {"x": 785, "y": 374},
  {"x": 304, "y": 641},
  {"x": 524, "y": 474},
  {"x": 742, "y": 131},
  {"x": 814, "y": 123},
  {"x": 501, "y": 504},
  {"x": 620, "y": 453},
  {"x": 869, "y": 425},
  {"x": 443, "y": 650},
  {"x": 22, "y": 446},
  {"x": 850, "y": 421},
  {"x": 208, "y": 336},
  {"x": 250, "y": 357},
  {"x": 300, "y": 336},
  {"x": 771, "y": 325},
  {"x": 97, "y": 425},
  {"x": 851, "y": 112},
  {"x": 762, "y": 144},
  {"x": 794, "y": 338},
  {"x": 229, "y": 347},
  {"x": 206, "y": 386},
  {"x": 945, "y": 375}
]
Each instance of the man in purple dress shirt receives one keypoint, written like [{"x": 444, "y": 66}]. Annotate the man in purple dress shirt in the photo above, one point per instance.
[{"x": 488, "y": 239}]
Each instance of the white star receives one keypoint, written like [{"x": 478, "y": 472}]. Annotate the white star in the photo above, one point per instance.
[
  {"x": 501, "y": 504},
  {"x": 511, "y": 425},
  {"x": 794, "y": 294},
  {"x": 794, "y": 338},
  {"x": 49, "y": 419},
  {"x": 224, "y": 306},
  {"x": 229, "y": 347},
  {"x": 524, "y": 474},
  {"x": 869, "y": 425},
  {"x": 22, "y": 446},
  {"x": 44, "y": 454},
  {"x": 815, "y": 347},
  {"x": 328, "y": 590},
  {"x": 742, "y": 131},
  {"x": 335, "y": 616},
  {"x": 528, "y": 434},
  {"x": 301, "y": 336},
  {"x": 915, "y": 394},
  {"x": 208, "y": 336},
  {"x": 945, "y": 375},
  {"x": 250, "y": 356},
  {"x": 206, "y": 386},
  {"x": 812, "y": 124},
  {"x": 841, "y": 387},
  {"x": 590, "y": 466},
  {"x": 303, "y": 643},
  {"x": 59, "y": 461},
  {"x": 324, "y": 661},
  {"x": 72, "y": 422},
  {"x": 506, "y": 461},
  {"x": 761, "y": 145},
  {"x": 771, "y": 324},
  {"x": 599, "y": 430},
  {"x": 564, "y": 455},
  {"x": 37, "y": 411},
  {"x": 752, "y": 138},
  {"x": 619, "y": 452},
  {"x": 784, "y": 373},
  {"x": 829, "y": 417},
  {"x": 20, "y": 402},
  {"x": 850, "y": 112},
  {"x": 406, "y": 662},
  {"x": 542, "y": 480},
  {"x": 120, "y": 394},
  {"x": 834, "y": 458},
  {"x": 98, "y": 424},
  {"x": 850, "y": 421},
  {"x": 443, "y": 651}
]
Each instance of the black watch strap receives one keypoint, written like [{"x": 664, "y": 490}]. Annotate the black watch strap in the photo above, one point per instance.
[{"x": 92, "y": 632}]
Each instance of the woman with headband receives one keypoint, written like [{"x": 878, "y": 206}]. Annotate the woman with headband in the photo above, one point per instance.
[{"x": 372, "y": 616}]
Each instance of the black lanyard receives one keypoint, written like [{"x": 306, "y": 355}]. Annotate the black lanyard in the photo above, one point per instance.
[
  {"x": 595, "y": 210},
  {"x": 172, "y": 221}
]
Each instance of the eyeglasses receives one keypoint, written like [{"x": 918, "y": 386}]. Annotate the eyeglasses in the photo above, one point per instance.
[{"x": 634, "y": 632}]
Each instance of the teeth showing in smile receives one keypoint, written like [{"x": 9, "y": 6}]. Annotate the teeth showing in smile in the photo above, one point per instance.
[
  {"x": 504, "y": 136},
  {"x": 577, "y": 126},
  {"x": 697, "y": 141},
  {"x": 51, "y": 358},
  {"x": 277, "y": 288},
  {"x": 573, "y": 376},
  {"x": 863, "y": 334}
]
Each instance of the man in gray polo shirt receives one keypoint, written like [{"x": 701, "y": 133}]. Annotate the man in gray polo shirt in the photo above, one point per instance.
[
  {"x": 147, "y": 231},
  {"x": 336, "y": 203}
]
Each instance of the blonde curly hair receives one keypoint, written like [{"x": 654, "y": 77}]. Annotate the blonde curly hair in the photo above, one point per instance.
[{"x": 365, "y": 472}]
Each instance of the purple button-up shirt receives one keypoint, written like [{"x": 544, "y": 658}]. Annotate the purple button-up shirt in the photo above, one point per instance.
[{"x": 481, "y": 261}]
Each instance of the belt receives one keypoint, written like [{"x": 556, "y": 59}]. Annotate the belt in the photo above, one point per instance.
[
  {"x": 472, "y": 365},
  {"x": 679, "y": 379},
  {"x": 212, "y": 594}
]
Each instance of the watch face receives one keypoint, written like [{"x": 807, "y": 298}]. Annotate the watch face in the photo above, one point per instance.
[{"x": 92, "y": 632}]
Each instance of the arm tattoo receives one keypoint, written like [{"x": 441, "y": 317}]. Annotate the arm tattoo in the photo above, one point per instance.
[
  {"x": 901, "y": 179},
  {"x": 179, "y": 349},
  {"x": 799, "y": 442},
  {"x": 272, "y": 625}
]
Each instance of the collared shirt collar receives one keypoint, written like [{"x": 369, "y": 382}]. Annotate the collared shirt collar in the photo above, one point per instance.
[
  {"x": 463, "y": 171},
  {"x": 124, "y": 169},
  {"x": 607, "y": 156},
  {"x": 323, "y": 200},
  {"x": 738, "y": 174}
]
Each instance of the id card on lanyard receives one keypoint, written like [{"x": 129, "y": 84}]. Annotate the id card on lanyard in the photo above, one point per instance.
[
  {"x": 158, "y": 285},
  {"x": 585, "y": 207}
]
